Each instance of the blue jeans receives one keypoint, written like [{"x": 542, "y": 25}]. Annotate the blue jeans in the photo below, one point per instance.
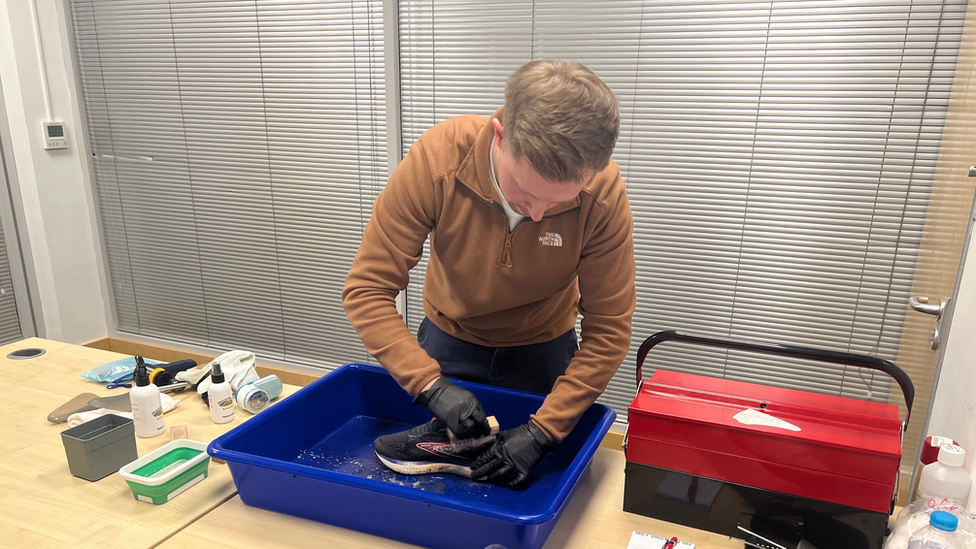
[{"x": 526, "y": 367}]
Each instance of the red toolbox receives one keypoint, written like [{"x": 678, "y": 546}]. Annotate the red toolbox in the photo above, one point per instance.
[{"x": 760, "y": 463}]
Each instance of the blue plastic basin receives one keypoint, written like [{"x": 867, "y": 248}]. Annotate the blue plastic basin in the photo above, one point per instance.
[{"x": 311, "y": 456}]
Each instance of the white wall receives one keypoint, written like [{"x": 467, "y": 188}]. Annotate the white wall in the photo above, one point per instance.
[
  {"x": 954, "y": 410},
  {"x": 56, "y": 203}
]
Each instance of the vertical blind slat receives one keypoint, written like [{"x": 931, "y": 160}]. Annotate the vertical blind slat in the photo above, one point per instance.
[
  {"x": 236, "y": 143},
  {"x": 778, "y": 157}
]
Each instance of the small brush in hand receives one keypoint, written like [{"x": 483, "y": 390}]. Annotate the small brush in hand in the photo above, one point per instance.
[{"x": 460, "y": 444}]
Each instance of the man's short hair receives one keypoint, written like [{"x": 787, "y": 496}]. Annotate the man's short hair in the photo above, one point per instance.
[{"x": 561, "y": 118}]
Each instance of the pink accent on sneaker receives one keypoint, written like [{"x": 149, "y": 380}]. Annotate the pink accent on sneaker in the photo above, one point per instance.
[{"x": 437, "y": 448}]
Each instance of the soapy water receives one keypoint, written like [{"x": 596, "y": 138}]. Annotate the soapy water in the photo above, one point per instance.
[{"x": 349, "y": 450}]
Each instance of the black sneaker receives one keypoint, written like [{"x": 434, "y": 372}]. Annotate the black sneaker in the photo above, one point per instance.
[{"x": 426, "y": 449}]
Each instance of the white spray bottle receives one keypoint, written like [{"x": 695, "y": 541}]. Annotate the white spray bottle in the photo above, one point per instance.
[
  {"x": 147, "y": 409},
  {"x": 219, "y": 397}
]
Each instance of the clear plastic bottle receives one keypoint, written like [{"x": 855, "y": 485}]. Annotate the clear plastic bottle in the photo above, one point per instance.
[
  {"x": 939, "y": 534},
  {"x": 915, "y": 516},
  {"x": 946, "y": 478}
]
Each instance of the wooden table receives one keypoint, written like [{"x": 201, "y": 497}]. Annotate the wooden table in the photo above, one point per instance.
[
  {"x": 43, "y": 505},
  {"x": 594, "y": 519}
]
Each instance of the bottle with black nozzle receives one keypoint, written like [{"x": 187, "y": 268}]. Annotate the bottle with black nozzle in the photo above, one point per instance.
[
  {"x": 147, "y": 409},
  {"x": 219, "y": 397}
]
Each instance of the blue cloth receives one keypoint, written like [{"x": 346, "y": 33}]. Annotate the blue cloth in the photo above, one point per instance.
[
  {"x": 526, "y": 367},
  {"x": 116, "y": 371}
]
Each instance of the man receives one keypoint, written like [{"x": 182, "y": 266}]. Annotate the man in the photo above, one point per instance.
[{"x": 529, "y": 224}]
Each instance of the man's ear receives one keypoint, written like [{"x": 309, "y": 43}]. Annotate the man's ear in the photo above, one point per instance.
[{"x": 499, "y": 131}]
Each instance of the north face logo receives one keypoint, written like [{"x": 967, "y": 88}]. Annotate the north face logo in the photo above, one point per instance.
[{"x": 552, "y": 239}]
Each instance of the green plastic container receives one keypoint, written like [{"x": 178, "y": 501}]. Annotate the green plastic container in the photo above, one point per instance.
[{"x": 167, "y": 472}]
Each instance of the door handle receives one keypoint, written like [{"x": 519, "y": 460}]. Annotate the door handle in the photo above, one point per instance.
[{"x": 923, "y": 306}]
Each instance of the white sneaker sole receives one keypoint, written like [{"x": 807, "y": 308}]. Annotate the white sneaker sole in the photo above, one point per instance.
[{"x": 424, "y": 467}]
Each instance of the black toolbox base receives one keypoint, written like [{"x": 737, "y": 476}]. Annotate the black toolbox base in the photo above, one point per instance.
[{"x": 718, "y": 506}]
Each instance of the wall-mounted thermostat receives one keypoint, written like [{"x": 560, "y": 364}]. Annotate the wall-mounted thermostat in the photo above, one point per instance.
[{"x": 54, "y": 135}]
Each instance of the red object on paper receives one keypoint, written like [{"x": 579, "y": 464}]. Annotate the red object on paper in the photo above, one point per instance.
[{"x": 823, "y": 447}]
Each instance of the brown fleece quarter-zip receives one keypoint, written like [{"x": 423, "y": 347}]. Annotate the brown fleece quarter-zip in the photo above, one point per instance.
[
  {"x": 488, "y": 285},
  {"x": 506, "y": 258}
]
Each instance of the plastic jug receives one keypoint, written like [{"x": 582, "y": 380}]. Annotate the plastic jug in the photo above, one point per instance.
[
  {"x": 939, "y": 534},
  {"x": 929, "y": 454},
  {"x": 946, "y": 478}
]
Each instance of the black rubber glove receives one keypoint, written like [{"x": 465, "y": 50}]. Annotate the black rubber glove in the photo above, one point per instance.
[
  {"x": 457, "y": 407},
  {"x": 510, "y": 459}
]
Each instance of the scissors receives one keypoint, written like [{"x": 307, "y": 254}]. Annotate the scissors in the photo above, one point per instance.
[{"x": 124, "y": 381}]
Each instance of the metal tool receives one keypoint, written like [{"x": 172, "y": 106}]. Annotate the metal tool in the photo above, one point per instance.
[
  {"x": 750, "y": 544},
  {"x": 78, "y": 404},
  {"x": 757, "y": 536},
  {"x": 804, "y": 544},
  {"x": 175, "y": 387},
  {"x": 116, "y": 402},
  {"x": 122, "y": 402}
]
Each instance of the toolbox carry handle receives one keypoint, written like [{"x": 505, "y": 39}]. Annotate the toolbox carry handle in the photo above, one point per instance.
[{"x": 820, "y": 355}]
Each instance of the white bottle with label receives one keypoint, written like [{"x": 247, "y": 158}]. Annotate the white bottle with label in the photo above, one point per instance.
[
  {"x": 147, "y": 410},
  {"x": 219, "y": 397},
  {"x": 946, "y": 478}
]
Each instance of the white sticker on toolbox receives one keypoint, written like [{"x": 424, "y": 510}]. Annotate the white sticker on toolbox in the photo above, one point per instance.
[{"x": 755, "y": 417}]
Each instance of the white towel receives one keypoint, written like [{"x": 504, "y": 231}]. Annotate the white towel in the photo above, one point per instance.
[
  {"x": 74, "y": 420},
  {"x": 238, "y": 368}
]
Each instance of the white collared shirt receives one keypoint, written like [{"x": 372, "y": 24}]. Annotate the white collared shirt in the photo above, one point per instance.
[{"x": 514, "y": 218}]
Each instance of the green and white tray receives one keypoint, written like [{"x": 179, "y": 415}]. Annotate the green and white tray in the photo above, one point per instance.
[{"x": 167, "y": 472}]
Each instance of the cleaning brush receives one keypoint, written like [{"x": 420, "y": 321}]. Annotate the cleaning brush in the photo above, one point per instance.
[{"x": 460, "y": 444}]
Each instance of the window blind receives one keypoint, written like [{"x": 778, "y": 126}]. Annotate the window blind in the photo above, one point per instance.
[
  {"x": 237, "y": 148},
  {"x": 778, "y": 157},
  {"x": 9, "y": 318},
  {"x": 10, "y": 329}
]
